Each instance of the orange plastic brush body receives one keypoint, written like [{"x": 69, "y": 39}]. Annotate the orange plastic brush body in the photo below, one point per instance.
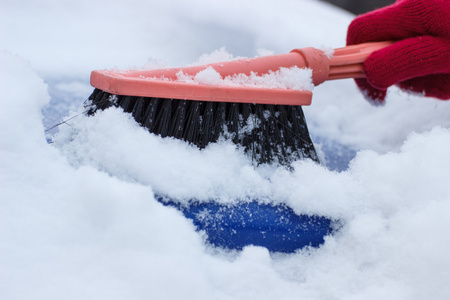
[{"x": 346, "y": 62}]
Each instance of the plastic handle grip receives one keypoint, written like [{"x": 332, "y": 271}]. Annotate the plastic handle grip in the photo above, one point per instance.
[{"x": 348, "y": 62}]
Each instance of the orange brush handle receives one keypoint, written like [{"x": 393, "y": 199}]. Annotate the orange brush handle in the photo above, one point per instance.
[{"x": 347, "y": 62}]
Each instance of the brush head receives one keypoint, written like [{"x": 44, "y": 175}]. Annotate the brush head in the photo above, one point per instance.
[
  {"x": 266, "y": 121},
  {"x": 260, "y": 80},
  {"x": 267, "y": 133},
  {"x": 134, "y": 83}
]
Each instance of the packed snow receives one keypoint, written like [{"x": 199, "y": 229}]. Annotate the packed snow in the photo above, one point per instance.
[
  {"x": 78, "y": 218},
  {"x": 293, "y": 78}
]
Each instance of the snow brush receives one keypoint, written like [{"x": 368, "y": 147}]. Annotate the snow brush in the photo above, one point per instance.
[{"x": 268, "y": 123}]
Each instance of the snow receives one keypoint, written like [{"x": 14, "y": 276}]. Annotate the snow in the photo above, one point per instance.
[
  {"x": 285, "y": 78},
  {"x": 78, "y": 218}
]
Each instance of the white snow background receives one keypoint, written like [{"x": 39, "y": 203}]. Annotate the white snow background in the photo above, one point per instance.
[{"x": 78, "y": 218}]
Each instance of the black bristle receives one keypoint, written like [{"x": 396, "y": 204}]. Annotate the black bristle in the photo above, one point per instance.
[
  {"x": 139, "y": 109},
  {"x": 264, "y": 138},
  {"x": 269, "y": 133},
  {"x": 179, "y": 120},
  {"x": 127, "y": 103},
  {"x": 99, "y": 100},
  {"x": 151, "y": 113},
  {"x": 206, "y": 135},
  {"x": 219, "y": 120},
  {"x": 164, "y": 118},
  {"x": 193, "y": 124},
  {"x": 232, "y": 120}
]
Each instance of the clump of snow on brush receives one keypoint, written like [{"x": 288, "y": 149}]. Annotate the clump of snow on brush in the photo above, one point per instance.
[
  {"x": 264, "y": 52},
  {"x": 208, "y": 76},
  {"x": 153, "y": 63},
  {"x": 329, "y": 51},
  {"x": 218, "y": 55},
  {"x": 222, "y": 55},
  {"x": 286, "y": 78}
]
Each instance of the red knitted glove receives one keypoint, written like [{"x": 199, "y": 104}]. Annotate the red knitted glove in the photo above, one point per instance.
[{"x": 420, "y": 59}]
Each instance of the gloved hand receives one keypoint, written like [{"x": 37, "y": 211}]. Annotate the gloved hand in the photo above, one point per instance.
[{"x": 420, "y": 59}]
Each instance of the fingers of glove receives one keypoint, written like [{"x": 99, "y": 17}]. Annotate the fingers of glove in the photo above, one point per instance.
[
  {"x": 372, "y": 94},
  {"x": 404, "y": 19},
  {"x": 436, "y": 85},
  {"x": 407, "y": 59},
  {"x": 375, "y": 26}
]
